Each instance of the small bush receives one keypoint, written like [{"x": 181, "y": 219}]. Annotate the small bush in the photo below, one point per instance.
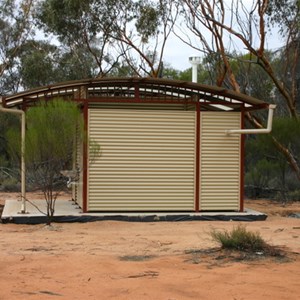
[
  {"x": 239, "y": 239},
  {"x": 294, "y": 195},
  {"x": 10, "y": 185}
]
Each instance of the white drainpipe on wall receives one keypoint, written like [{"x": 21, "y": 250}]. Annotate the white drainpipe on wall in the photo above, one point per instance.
[
  {"x": 256, "y": 131},
  {"x": 23, "y": 187}
]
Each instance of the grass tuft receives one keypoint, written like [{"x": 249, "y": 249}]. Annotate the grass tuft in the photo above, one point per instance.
[{"x": 240, "y": 239}]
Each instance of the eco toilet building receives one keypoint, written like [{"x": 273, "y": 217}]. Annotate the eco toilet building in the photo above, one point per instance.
[{"x": 165, "y": 145}]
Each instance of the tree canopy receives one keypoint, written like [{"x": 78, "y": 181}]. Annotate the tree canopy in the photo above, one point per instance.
[{"x": 48, "y": 41}]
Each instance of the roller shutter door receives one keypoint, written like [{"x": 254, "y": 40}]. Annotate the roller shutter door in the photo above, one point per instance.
[
  {"x": 147, "y": 160},
  {"x": 219, "y": 161}
]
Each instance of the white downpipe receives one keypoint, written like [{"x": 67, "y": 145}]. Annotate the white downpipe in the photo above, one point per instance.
[
  {"x": 23, "y": 186},
  {"x": 259, "y": 130}
]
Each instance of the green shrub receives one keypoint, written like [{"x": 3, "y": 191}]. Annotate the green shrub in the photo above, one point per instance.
[
  {"x": 294, "y": 195},
  {"x": 239, "y": 239},
  {"x": 10, "y": 185}
]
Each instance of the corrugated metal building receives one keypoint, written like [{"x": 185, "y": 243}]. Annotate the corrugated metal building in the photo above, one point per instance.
[{"x": 163, "y": 143}]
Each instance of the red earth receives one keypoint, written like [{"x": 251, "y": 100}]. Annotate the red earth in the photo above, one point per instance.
[{"x": 159, "y": 260}]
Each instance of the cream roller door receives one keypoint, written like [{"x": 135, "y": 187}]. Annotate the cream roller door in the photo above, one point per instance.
[
  {"x": 219, "y": 161},
  {"x": 147, "y": 160}
]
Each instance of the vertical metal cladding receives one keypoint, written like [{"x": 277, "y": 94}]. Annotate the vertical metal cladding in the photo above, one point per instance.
[
  {"x": 147, "y": 160},
  {"x": 219, "y": 161},
  {"x": 77, "y": 188}
]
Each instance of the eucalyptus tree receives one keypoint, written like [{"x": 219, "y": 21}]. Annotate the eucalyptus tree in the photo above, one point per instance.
[
  {"x": 35, "y": 64},
  {"x": 143, "y": 32},
  {"x": 115, "y": 32},
  {"x": 286, "y": 16},
  {"x": 16, "y": 26},
  {"x": 251, "y": 77},
  {"x": 218, "y": 27},
  {"x": 42, "y": 63},
  {"x": 81, "y": 26}
]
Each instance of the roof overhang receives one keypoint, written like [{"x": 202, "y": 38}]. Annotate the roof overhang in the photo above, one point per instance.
[{"x": 138, "y": 89}]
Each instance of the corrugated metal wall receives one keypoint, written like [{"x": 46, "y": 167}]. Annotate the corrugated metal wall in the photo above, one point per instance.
[
  {"x": 77, "y": 188},
  {"x": 219, "y": 161},
  {"x": 147, "y": 160}
]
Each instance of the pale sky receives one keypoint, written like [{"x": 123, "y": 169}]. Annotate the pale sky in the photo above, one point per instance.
[{"x": 177, "y": 53}]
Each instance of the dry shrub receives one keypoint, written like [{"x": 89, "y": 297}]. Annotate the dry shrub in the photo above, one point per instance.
[{"x": 240, "y": 239}]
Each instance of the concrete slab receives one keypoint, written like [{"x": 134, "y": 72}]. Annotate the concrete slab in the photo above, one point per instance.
[
  {"x": 69, "y": 211},
  {"x": 36, "y": 207}
]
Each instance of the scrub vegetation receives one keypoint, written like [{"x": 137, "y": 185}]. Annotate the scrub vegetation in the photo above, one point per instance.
[
  {"x": 239, "y": 238},
  {"x": 51, "y": 133},
  {"x": 88, "y": 39},
  {"x": 243, "y": 244},
  {"x": 54, "y": 128}
]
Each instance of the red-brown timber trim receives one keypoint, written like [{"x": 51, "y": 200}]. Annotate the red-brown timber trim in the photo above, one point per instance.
[
  {"x": 4, "y": 101},
  {"x": 24, "y": 105},
  {"x": 242, "y": 161},
  {"x": 197, "y": 183},
  {"x": 85, "y": 157},
  {"x": 137, "y": 92}
]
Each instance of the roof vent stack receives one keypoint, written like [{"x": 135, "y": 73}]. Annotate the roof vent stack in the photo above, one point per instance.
[{"x": 195, "y": 61}]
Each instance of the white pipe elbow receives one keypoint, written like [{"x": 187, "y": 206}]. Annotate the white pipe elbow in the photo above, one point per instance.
[{"x": 268, "y": 129}]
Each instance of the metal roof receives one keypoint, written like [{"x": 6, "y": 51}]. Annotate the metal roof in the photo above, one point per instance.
[{"x": 145, "y": 90}]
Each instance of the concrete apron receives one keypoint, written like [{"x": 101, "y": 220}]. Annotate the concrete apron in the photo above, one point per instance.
[{"x": 69, "y": 211}]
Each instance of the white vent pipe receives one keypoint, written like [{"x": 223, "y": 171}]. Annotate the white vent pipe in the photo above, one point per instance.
[
  {"x": 195, "y": 61},
  {"x": 23, "y": 187},
  {"x": 259, "y": 130}
]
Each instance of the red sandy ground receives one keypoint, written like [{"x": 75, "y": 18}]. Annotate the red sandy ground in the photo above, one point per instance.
[{"x": 161, "y": 260}]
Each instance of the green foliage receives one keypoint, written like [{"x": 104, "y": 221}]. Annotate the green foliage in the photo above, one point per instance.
[
  {"x": 261, "y": 173},
  {"x": 52, "y": 130},
  {"x": 15, "y": 28},
  {"x": 7, "y": 121},
  {"x": 239, "y": 239},
  {"x": 86, "y": 28},
  {"x": 186, "y": 75},
  {"x": 265, "y": 166},
  {"x": 121, "y": 69},
  {"x": 9, "y": 184},
  {"x": 43, "y": 64},
  {"x": 37, "y": 67},
  {"x": 251, "y": 77},
  {"x": 294, "y": 195},
  {"x": 287, "y": 131},
  {"x": 112, "y": 31},
  {"x": 284, "y": 13},
  {"x": 147, "y": 19},
  {"x": 75, "y": 65},
  {"x": 202, "y": 75},
  {"x": 62, "y": 17}
]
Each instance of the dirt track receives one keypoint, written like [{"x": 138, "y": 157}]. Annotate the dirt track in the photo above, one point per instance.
[{"x": 163, "y": 260}]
